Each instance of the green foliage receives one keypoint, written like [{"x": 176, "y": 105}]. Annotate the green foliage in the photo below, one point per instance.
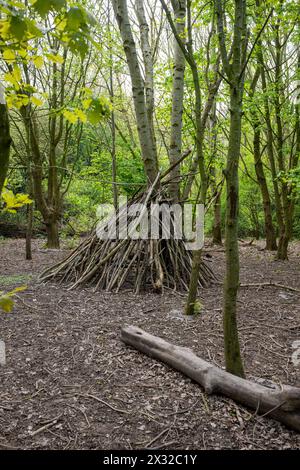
[
  {"x": 70, "y": 242},
  {"x": 19, "y": 31},
  {"x": 6, "y": 299},
  {"x": 291, "y": 177},
  {"x": 16, "y": 26},
  {"x": 93, "y": 110},
  {"x": 198, "y": 307},
  {"x": 84, "y": 196},
  {"x": 98, "y": 108},
  {"x": 10, "y": 202},
  {"x": 14, "y": 279},
  {"x": 43, "y": 8}
]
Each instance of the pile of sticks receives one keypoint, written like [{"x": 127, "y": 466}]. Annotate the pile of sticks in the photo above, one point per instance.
[{"x": 138, "y": 264}]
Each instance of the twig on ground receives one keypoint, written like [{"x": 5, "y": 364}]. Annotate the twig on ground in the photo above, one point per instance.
[
  {"x": 103, "y": 402},
  {"x": 46, "y": 426},
  {"x": 270, "y": 284},
  {"x": 8, "y": 446},
  {"x": 164, "y": 444},
  {"x": 157, "y": 437},
  {"x": 83, "y": 412}
]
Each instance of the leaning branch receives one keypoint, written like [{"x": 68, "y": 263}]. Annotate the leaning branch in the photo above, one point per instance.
[
  {"x": 181, "y": 44},
  {"x": 184, "y": 155},
  {"x": 221, "y": 36},
  {"x": 255, "y": 42}
]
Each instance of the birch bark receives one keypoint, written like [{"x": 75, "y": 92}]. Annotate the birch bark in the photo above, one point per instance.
[
  {"x": 179, "y": 7},
  {"x": 147, "y": 143}
]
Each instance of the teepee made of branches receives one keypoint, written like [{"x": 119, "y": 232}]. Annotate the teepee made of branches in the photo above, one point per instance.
[{"x": 138, "y": 264}]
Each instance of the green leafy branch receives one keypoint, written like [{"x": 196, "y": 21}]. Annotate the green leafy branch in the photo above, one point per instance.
[{"x": 6, "y": 299}]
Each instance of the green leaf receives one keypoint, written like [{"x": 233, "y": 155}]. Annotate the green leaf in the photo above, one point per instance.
[
  {"x": 58, "y": 5},
  {"x": 38, "y": 61},
  {"x": 43, "y": 7},
  {"x": 33, "y": 29},
  {"x": 6, "y": 303},
  {"x": 16, "y": 289},
  {"x": 78, "y": 45},
  {"x": 75, "y": 18},
  {"x": 99, "y": 108},
  {"x": 9, "y": 55},
  {"x": 56, "y": 58},
  {"x": 18, "y": 27},
  {"x": 70, "y": 116}
]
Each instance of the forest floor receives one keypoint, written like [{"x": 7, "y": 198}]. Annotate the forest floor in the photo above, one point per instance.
[{"x": 70, "y": 383}]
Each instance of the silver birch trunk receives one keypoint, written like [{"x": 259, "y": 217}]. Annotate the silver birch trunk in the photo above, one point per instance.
[
  {"x": 147, "y": 143},
  {"x": 148, "y": 64},
  {"x": 179, "y": 7}
]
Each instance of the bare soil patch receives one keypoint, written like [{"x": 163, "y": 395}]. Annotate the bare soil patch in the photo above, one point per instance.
[{"x": 70, "y": 383}]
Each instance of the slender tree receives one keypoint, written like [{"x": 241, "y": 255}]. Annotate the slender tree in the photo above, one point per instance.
[
  {"x": 201, "y": 114},
  {"x": 278, "y": 71},
  {"x": 234, "y": 70},
  {"x": 5, "y": 138},
  {"x": 270, "y": 232},
  {"x": 217, "y": 191}
]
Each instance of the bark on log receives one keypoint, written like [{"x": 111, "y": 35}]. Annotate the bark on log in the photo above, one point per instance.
[{"x": 281, "y": 403}]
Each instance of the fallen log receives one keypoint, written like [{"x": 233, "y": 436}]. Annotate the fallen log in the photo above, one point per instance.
[{"x": 281, "y": 403}]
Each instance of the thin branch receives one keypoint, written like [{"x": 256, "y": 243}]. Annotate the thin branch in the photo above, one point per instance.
[{"x": 255, "y": 42}]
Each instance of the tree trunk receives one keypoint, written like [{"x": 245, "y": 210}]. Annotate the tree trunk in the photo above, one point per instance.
[
  {"x": 270, "y": 233},
  {"x": 200, "y": 122},
  {"x": 114, "y": 161},
  {"x": 148, "y": 147},
  {"x": 270, "y": 149},
  {"x": 5, "y": 139},
  {"x": 28, "y": 251},
  {"x": 291, "y": 194},
  {"x": 193, "y": 286},
  {"x": 235, "y": 74},
  {"x": 281, "y": 403},
  {"x": 260, "y": 174},
  {"x": 232, "y": 347},
  {"x": 49, "y": 205},
  {"x": 148, "y": 67},
  {"x": 282, "y": 252},
  {"x": 179, "y": 7},
  {"x": 112, "y": 122},
  {"x": 217, "y": 224},
  {"x": 52, "y": 233},
  {"x": 200, "y": 130},
  {"x": 36, "y": 160}
]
